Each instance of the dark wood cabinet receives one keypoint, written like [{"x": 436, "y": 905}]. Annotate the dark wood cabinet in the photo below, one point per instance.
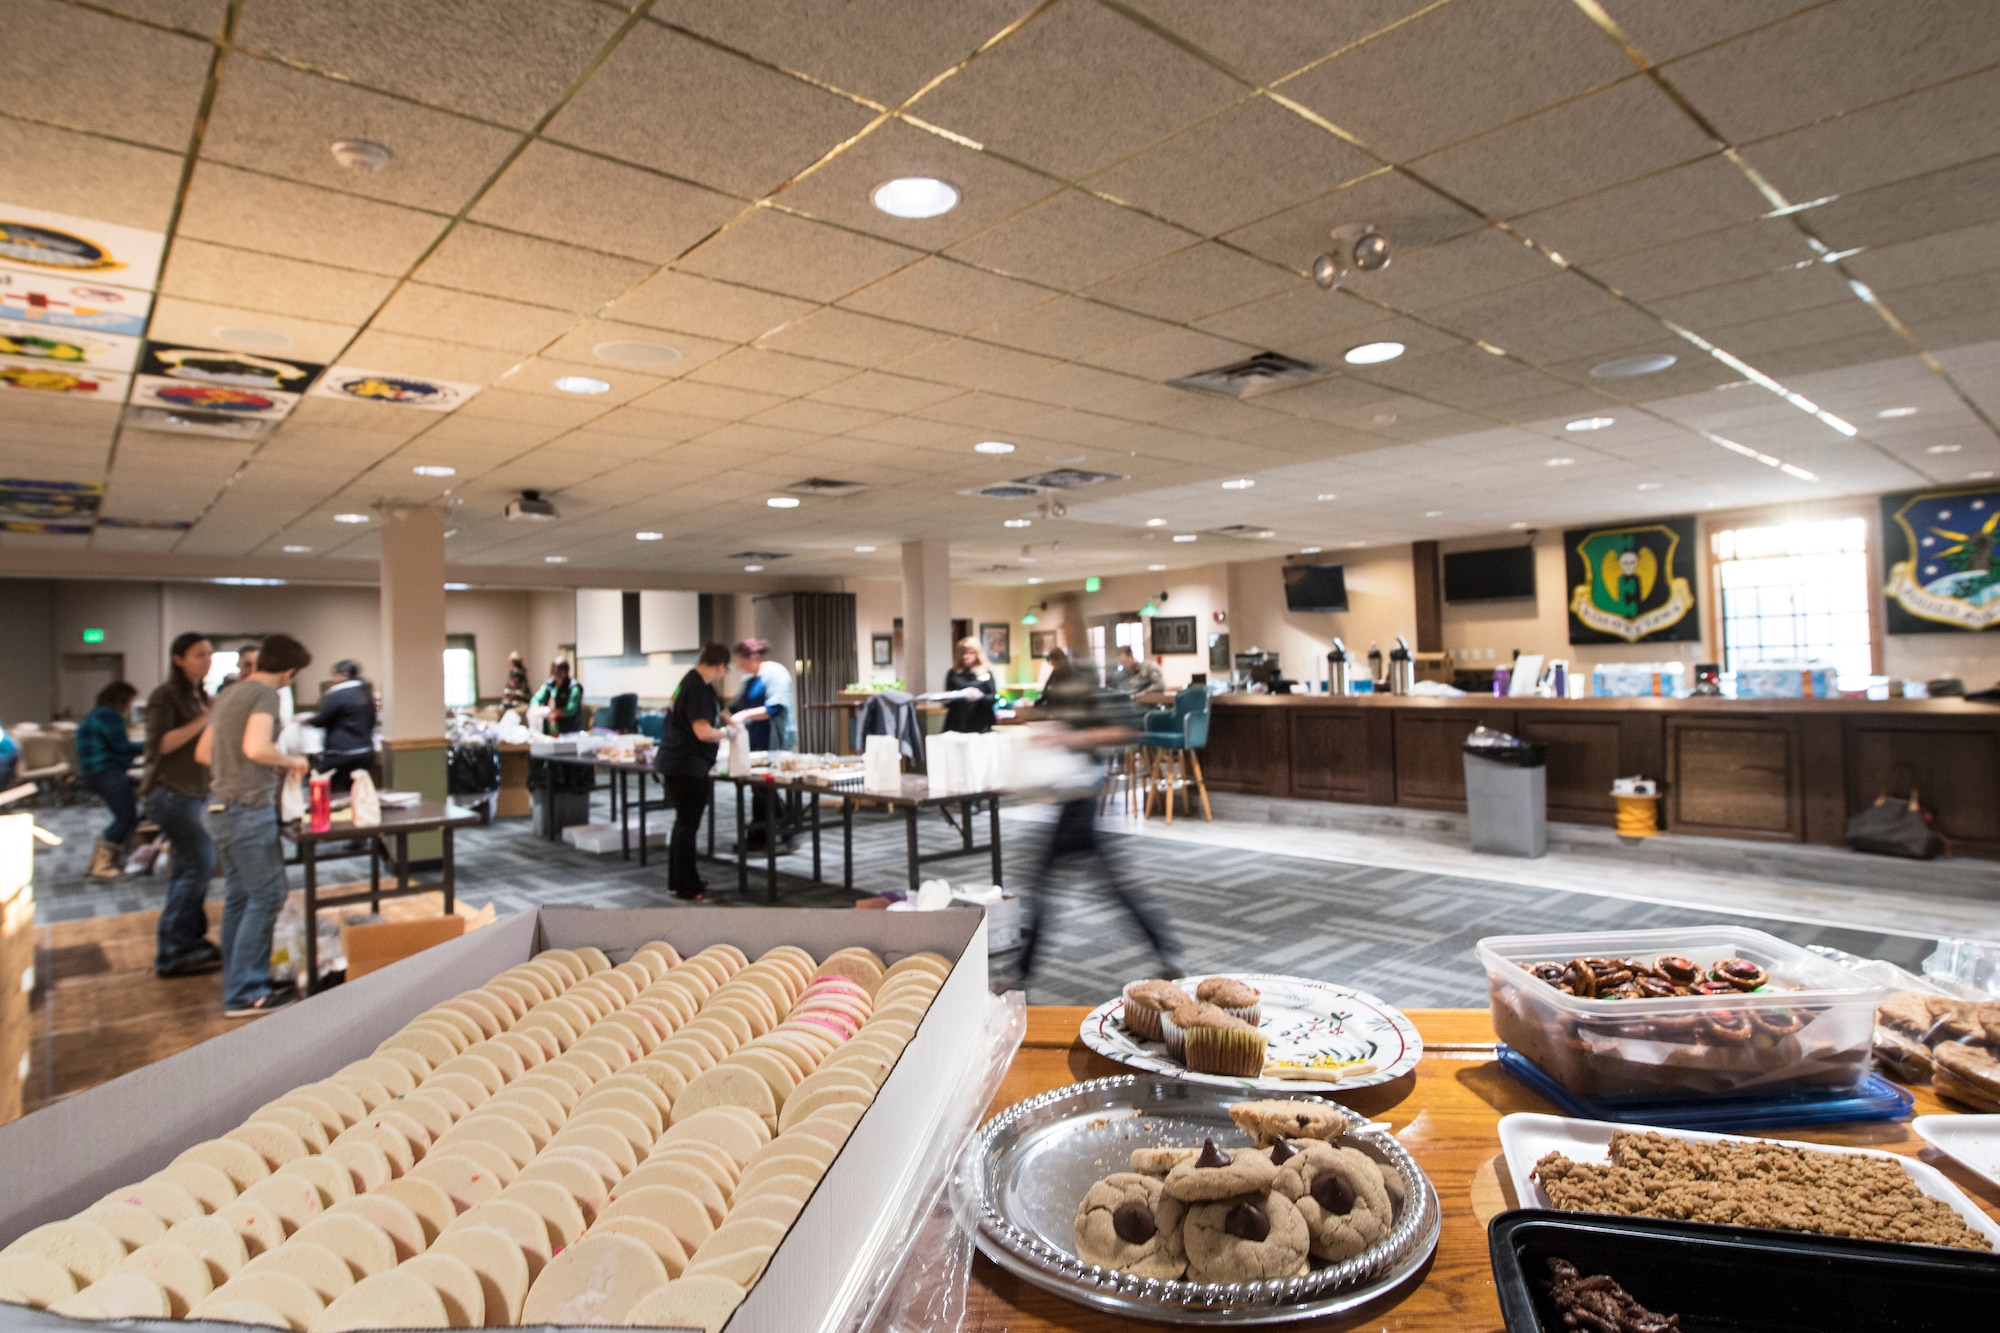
[
  {"x": 1955, "y": 771},
  {"x": 1248, "y": 752},
  {"x": 1587, "y": 754},
  {"x": 1735, "y": 778},
  {"x": 1343, "y": 756},
  {"x": 1430, "y": 758}
]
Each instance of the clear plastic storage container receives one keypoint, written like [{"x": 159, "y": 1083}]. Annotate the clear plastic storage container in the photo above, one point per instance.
[{"x": 1815, "y": 1035}]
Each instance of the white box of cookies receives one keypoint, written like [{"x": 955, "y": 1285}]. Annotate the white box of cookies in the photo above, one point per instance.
[{"x": 683, "y": 1118}]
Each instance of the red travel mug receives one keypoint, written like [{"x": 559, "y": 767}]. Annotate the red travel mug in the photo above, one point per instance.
[{"x": 320, "y": 807}]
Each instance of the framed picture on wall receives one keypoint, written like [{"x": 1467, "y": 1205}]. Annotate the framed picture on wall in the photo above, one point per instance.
[
  {"x": 882, "y": 649},
  {"x": 996, "y": 637},
  {"x": 1040, "y": 641},
  {"x": 1172, "y": 634}
]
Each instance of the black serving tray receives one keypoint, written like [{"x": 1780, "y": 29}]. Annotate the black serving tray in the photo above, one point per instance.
[{"x": 1738, "y": 1279}]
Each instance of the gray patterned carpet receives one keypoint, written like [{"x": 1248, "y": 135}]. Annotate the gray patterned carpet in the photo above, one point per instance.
[{"x": 1405, "y": 936}]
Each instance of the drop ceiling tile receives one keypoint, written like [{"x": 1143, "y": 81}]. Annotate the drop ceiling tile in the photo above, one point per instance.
[
  {"x": 1685, "y": 201},
  {"x": 1666, "y": 29},
  {"x": 909, "y": 432},
  {"x": 749, "y": 443},
  {"x": 886, "y": 393},
  {"x": 1835, "y": 58},
  {"x": 580, "y": 345},
  {"x": 91, "y": 72},
  {"x": 816, "y": 418},
  {"x": 503, "y": 404},
  {"x": 1752, "y": 250},
  {"x": 990, "y": 416},
  {"x": 669, "y": 102},
  {"x": 718, "y": 401},
  {"x": 842, "y": 190},
  {"x": 852, "y": 339},
  {"x": 1068, "y": 327},
  {"x": 1628, "y": 130},
  {"x": 662, "y": 428},
  {"x": 272, "y": 118},
  {"x": 176, "y": 319},
  {"x": 1945, "y": 255},
  {"x": 1169, "y": 354},
  {"x": 257, "y": 212},
  {"x": 539, "y": 375},
  {"x": 1271, "y": 38},
  {"x": 1075, "y": 90},
  {"x": 1071, "y": 241},
  {"x": 970, "y": 364},
  {"x": 1756, "y": 298},
  {"x": 771, "y": 372},
  {"x": 464, "y": 317},
  {"x": 1453, "y": 72},
  {"x": 1292, "y": 318},
  {"x": 939, "y": 294},
  {"x": 564, "y": 195},
  {"x": 524, "y": 268},
  {"x": 1418, "y": 339},
  {"x": 1950, "y": 313},
  {"x": 85, "y": 176},
  {"x": 777, "y": 251},
  {"x": 1193, "y": 283},
  {"x": 399, "y": 353},
  {"x": 459, "y": 436},
  {"x": 1941, "y": 201},
  {"x": 1250, "y": 161},
  {"x": 1617, "y": 332},
  {"x": 220, "y": 275},
  {"x": 718, "y": 310},
  {"x": 1922, "y": 132},
  {"x": 501, "y": 60}
]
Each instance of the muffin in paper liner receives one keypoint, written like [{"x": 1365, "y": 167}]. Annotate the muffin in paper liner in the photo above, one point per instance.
[
  {"x": 1238, "y": 999},
  {"x": 1143, "y": 1013},
  {"x": 1235, "y": 1051}
]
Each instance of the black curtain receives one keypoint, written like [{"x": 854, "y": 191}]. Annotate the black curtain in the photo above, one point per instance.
[{"x": 823, "y": 642}]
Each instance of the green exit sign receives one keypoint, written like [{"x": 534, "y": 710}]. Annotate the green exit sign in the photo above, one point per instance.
[
  {"x": 1093, "y": 583},
  {"x": 93, "y": 636}
]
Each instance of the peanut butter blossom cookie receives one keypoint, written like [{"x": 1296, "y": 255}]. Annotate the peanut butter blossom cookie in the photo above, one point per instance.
[
  {"x": 1339, "y": 1195},
  {"x": 1215, "y": 1174},
  {"x": 1246, "y": 1239},
  {"x": 1128, "y": 1222}
]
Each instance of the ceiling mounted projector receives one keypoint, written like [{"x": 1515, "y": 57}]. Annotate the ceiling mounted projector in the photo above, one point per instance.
[
  {"x": 531, "y": 508},
  {"x": 1357, "y": 247}
]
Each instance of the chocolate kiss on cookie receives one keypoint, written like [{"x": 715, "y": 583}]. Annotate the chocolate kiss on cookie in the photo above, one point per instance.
[
  {"x": 1134, "y": 1223},
  {"x": 1246, "y": 1221},
  {"x": 1211, "y": 1156},
  {"x": 1333, "y": 1194},
  {"x": 1216, "y": 1174},
  {"x": 1282, "y": 1152}
]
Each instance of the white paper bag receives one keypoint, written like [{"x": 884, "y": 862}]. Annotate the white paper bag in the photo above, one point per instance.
[
  {"x": 739, "y": 752},
  {"x": 363, "y": 799},
  {"x": 291, "y": 798},
  {"x": 943, "y": 761},
  {"x": 881, "y": 764}
]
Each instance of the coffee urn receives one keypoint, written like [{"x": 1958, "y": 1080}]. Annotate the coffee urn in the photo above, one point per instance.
[
  {"x": 1402, "y": 671},
  {"x": 1336, "y": 669}
]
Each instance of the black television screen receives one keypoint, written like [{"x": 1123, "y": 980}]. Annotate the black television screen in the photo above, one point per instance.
[
  {"x": 1315, "y": 588},
  {"x": 1498, "y": 575}
]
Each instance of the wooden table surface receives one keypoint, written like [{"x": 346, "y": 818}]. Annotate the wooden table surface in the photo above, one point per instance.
[{"x": 1445, "y": 1113}]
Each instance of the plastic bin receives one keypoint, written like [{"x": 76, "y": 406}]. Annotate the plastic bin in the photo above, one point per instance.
[
  {"x": 1817, "y": 1036},
  {"x": 1507, "y": 794}
]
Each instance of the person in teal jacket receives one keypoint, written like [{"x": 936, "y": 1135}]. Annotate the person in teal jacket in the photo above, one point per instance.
[{"x": 105, "y": 751}]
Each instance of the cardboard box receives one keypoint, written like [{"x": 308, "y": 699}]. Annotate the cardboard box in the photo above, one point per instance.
[
  {"x": 371, "y": 946},
  {"x": 62, "y": 1159}
]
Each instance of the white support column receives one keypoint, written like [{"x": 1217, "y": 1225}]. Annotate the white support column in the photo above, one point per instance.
[
  {"x": 926, "y": 613},
  {"x": 411, "y": 674}
]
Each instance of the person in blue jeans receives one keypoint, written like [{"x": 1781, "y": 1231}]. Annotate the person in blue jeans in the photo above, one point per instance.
[
  {"x": 245, "y": 766},
  {"x": 105, "y": 751},
  {"x": 175, "y": 793}
]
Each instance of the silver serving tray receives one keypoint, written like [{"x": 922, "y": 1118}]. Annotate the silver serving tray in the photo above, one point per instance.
[{"x": 1030, "y": 1167}]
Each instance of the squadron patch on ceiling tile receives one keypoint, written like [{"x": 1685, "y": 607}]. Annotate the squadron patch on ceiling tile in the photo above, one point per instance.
[
  {"x": 237, "y": 370},
  {"x": 28, "y": 498},
  {"x": 59, "y": 243},
  {"x": 197, "y": 396},
  {"x": 22, "y": 375},
  {"x": 147, "y": 524},
  {"x": 354, "y": 384},
  {"x": 63, "y": 302},
  {"x": 186, "y": 421},
  {"x": 73, "y": 347}
]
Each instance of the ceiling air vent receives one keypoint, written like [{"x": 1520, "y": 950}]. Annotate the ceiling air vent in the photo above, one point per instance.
[
  {"x": 825, "y": 486},
  {"x": 1067, "y": 479},
  {"x": 759, "y": 555},
  {"x": 1006, "y": 490},
  {"x": 1246, "y": 379},
  {"x": 1244, "y": 532}
]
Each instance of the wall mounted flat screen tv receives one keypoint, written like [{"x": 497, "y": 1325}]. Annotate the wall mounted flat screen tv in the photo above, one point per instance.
[
  {"x": 1315, "y": 588},
  {"x": 1502, "y": 575}
]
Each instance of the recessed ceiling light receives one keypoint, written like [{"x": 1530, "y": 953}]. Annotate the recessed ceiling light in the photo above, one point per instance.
[
  {"x": 1649, "y": 485},
  {"x": 1370, "y": 354},
  {"x": 450, "y": 533},
  {"x": 1326, "y": 495},
  {"x": 1625, "y": 367},
  {"x": 1983, "y": 475},
  {"x": 1518, "y": 526},
  {"x": 363, "y": 157},
  {"x": 1184, "y": 536},
  {"x": 581, "y": 384},
  {"x": 1434, "y": 513},
  {"x": 993, "y": 447},
  {"x": 635, "y": 354},
  {"x": 1017, "y": 523},
  {"x": 1240, "y": 484},
  {"x": 1944, "y": 449},
  {"x": 350, "y": 518},
  {"x": 865, "y": 550},
  {"x": 1559, "y": 462},
  {"x": 649, "y": 536},
  {"x": 1034, "y": 580},
  {"x": 753, "y": 569},
  {"x": 252, "y": 339},
  {"x": 1588, "y": 423},
  {"x": 783, "y": 502},
  {"x": 1886, "y": 414},
  {"x": 434, "y": 470},
  {"x": 298, "y": 550},
  {"x": 1385, "y": 418},
  {"x": 1156, "y": 522},
  {"x": 555, "y": 559},
  {"x": 1309, "y": 550},
  {"x": 915, "y": 197},
  {"x": 456, "y": 587}
]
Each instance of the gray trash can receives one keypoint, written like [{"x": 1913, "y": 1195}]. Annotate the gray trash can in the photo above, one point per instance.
[{"x": 1507, "y": 794}]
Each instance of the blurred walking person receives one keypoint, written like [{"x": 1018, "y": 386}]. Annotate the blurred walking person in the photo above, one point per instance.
[
  {"x": 105, "y": 752},
  {"x": 175, "y": 790}
]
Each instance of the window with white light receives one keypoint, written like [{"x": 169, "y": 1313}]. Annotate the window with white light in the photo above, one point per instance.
[
  {"x": 461, "y": 672},
  {"x": 1796, "y": 592}
]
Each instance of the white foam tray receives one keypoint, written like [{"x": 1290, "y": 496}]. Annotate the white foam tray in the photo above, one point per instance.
[{"x": 1973, "y": 1141}]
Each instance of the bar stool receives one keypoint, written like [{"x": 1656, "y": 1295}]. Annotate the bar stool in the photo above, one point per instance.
[
  {"x": 1174, "y": 740},
  {"x": 1125, "y": 773}
]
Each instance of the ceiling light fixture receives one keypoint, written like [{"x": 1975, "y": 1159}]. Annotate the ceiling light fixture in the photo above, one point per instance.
[
  {"x": 865, "y": 550},
  {"x": 350, "y": 518},
  {"x": 1184, "y": 536},
  {"x": 1156, "y": 522},
  {"x": 1985, "y": 474},
  {"x": 1434, "y": 513},
  {"x": 1029, "y": 617},
  {"x": 915, "y": 197},
  {"x": 649, "y": 536},
  {"x": 1944, "y": 449},
  {"x": 456, "y": 587},
  {"x": 1356, "y": 245},
  {"x": 1309, "y": 550},
  {"x": 1518, "y": 526},
  {"x": 753, "y": 569},
  {"x": 1891, "y": 413},
  {"x": 434, "y": 470},
  {"x": 1156, "y": 568},
  {"x": 1326, "y": 495},
  {"x": 298, "y": 550},
  {"x": 449, "y": 533},
  {"x": 581, "y": 384},
  {"x": 363, "y": 157},
  {"x": 1559, "y": 462},
  {"x": 635, "y": 354},
  {"x": 1240, "y": 484},
  {"x": 555, "y": 559},
  {"x": 1625, "y": 367},
  {"x": 1034, "y": 580},
  {"x": 1589, "y": 423},
  {"x": 1017, "y": 523},
  {"x": 993, "y": 447},
  {"x": 783, "y": 502},
  {"x": 1650, "y": 485},
  {"x": 1372, "y": 354}
]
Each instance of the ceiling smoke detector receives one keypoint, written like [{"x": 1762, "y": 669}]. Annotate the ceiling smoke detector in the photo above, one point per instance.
[
  {"x": 1357, "y": 248},
  {"x": 363, "y": 157},
  {"x": 531, "y": 508}
]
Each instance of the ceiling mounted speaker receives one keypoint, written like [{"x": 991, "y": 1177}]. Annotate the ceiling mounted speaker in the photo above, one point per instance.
[
  {"x": 1357, "y": 248},
  {"x": 364, "y": 157}
]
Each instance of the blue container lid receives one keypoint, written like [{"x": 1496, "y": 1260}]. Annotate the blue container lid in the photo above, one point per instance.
[{"x": 1875, "y": 1098}]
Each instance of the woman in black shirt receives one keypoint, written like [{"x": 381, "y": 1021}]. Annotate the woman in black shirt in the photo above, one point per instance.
[
  {"x": 973, "y": 680},
  {"x": 694, "y": 729}
]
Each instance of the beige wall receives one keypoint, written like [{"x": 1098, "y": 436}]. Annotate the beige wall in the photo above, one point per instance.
[{"x": 1381, "y": 601}]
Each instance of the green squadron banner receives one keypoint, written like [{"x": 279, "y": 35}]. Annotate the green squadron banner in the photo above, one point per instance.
[
  {"x": 1939, "y": 572},
  {"x": 1632, "y": 584}
]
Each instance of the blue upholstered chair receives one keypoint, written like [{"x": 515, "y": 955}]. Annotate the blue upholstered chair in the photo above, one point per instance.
[{"x": 1174, "y": 739}]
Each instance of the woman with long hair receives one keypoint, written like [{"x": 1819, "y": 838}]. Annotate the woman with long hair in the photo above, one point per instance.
[{"x": 972, "y": 680}]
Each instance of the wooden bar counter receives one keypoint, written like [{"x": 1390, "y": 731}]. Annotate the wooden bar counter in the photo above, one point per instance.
[
  {"x": 1446, "y": 1112},
  {"x": 1781, "y": 770}
]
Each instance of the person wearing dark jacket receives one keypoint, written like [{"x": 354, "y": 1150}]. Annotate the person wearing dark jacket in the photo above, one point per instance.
[
  {"x": 564, "y": 699},
  {"x": 176, "y": 794},
  {"x": 972, "y": 680},
  {"x": 347, "y": 715},
  {"x": 694, "y": 730},
  {"x": 104, "y": 751}
]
